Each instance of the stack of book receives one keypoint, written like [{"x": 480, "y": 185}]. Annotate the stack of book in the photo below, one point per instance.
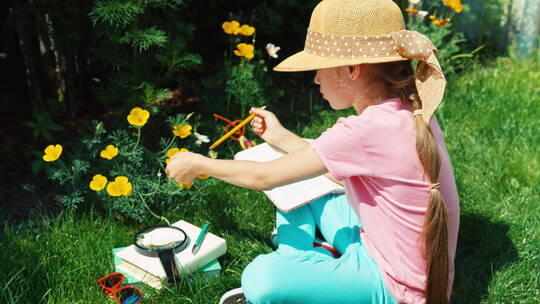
[{"x": 139, "y": 268}]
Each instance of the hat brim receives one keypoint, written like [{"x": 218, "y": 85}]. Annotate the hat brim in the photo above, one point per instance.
[{"x": 303, "y": 61}]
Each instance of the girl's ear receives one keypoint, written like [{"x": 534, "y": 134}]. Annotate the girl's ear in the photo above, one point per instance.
[{"x": 354, "y": 71}]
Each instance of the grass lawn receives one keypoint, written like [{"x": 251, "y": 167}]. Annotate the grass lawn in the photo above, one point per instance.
[{"x": 491, "y": 119}]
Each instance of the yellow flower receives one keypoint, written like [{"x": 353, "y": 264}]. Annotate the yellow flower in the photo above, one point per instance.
[
  {"x": 411, "y": 10},
  {"x": 52, "y": 153},
  {"x": 120, "y": 186},
  {"x": 247, "y": 30},
  {"x": 432, "y": 17},
  {"x": 213, "y": 154},
  {"x": 456, "y": 5},
  {"x": 98, "y": 182},
  {"x": 244, "y": 50},
  {"x": 110, "y": 152},
  {"x": 440, "y": 23},
  {"x": 183, "y": 131},
  {"x": 173, "y": 151},
  {"x": 185, "y": 186},
  {"x": 138, "y": 117},
  {"x": 231, "y": 28}
]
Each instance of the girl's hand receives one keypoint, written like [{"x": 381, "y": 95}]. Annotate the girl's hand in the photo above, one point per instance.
[
  {"x": 183, "y": 167},
  {"x": 267, "y": 126}
]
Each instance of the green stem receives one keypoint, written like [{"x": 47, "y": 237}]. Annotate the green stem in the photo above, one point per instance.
[
  {"x": 170, "y": 144},
  {"x": 156, "y": 157},
  {"x": 229, "y": 66},
  {"x": 63, "y": 166},
  {"x": 161, "y": 218},
  {"x": 68, "y": 173},
  {"x": 138, "y": 139},
  {"x": 230, "y": 51},
  {"x": 158, "y": 181}
]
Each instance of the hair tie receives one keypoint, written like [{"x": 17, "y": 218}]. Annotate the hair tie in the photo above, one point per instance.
[
  {"x": 434, "y": 186},
  {"x": 417, "y": 112}
]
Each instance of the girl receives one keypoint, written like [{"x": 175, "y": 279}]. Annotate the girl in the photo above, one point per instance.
[{"x": 396, "y": 227}]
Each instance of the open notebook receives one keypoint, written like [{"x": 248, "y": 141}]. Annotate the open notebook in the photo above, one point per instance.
[{"x": 291, "y": 196}]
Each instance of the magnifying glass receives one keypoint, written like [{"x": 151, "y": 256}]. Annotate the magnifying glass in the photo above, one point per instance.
[{"x": 164, "y": 242}]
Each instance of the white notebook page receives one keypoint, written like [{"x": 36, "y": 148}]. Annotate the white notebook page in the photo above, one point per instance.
[{"x": 291, "y": 196}]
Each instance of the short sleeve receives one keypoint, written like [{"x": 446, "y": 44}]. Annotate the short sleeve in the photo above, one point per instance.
[{"x": 341, "y": 150}]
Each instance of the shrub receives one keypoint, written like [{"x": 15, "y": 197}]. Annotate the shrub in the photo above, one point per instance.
[
  {"x": 116, "y": 171},
  {"x": 143, "y": 47},
  {"x": 242, "y": 79},
  {"x": 437, "y": 22}
]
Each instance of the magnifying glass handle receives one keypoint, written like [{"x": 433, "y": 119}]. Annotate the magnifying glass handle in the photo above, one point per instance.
[{"x": 169, "y": 265}]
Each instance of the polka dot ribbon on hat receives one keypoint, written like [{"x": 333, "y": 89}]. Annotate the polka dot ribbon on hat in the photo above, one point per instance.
[{"x": 430, "y": 81}]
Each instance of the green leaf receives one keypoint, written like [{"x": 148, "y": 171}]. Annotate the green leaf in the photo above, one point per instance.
[
  {"x": 461, "y": 56},
  {"x": 163, "y": 3},
  {"x": 47, "y": 134},
  {"x": 43, "y": 120},
  {"x": 144, "y": 39},
  {"x": 37, "y": 166},
  {"x": 31, "y": 124},
  {"x": 115, "y": 13},
  {"x": 54, "y": 105},
  {"x": 53, "y": 126},
  {"x": 478, "y": 49}
]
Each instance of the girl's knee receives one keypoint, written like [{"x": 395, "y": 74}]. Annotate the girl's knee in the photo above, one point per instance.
[{"x": 260, "y": 279}]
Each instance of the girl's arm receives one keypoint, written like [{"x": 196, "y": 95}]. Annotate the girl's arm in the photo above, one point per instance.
[
  {"x": 290, "y": 142},
  {"x": 267, "y": 126},
  {"x": 304, "y": 163}
]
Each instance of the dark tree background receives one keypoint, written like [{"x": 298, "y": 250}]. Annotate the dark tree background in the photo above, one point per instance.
[{"x": 66, "y": 62}]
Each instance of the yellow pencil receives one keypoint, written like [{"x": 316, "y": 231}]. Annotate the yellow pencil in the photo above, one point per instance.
[{"x": 231, "y": 132}]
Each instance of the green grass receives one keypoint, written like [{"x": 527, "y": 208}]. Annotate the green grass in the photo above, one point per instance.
[{"x": 491, "y": 120}]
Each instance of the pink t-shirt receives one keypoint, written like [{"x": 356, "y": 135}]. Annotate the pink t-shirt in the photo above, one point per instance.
[{"x": 375, "y": 155}]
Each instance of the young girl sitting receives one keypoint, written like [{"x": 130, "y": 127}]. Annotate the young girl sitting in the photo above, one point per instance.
[{"x": 396, "y": 227}]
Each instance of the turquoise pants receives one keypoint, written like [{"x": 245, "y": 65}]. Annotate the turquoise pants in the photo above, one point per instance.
[{"x": 297, "y": 272}]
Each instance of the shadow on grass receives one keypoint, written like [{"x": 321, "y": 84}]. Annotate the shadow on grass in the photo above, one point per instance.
[{"x": 483, "y": 249}]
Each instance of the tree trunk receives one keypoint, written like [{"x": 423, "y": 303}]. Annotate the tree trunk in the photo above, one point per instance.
[
  {"x": 29, "y": 49},
  {"x": 49, "y": 54},
  {"x": 70, "y": 96},
  {"x": 527, "y": 36}
]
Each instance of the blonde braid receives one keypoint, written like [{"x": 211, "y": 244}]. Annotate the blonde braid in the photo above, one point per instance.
[{"x": 399, "y": 77}]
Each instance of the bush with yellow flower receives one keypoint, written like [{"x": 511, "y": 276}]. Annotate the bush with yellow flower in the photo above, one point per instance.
[
  {"x": 122, "y": 171},
  {"x": 436, "y": 19},
  {"x": 243, "y": 81}
]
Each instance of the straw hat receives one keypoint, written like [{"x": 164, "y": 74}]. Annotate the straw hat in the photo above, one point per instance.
[{"x": 349, "y": 32}]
